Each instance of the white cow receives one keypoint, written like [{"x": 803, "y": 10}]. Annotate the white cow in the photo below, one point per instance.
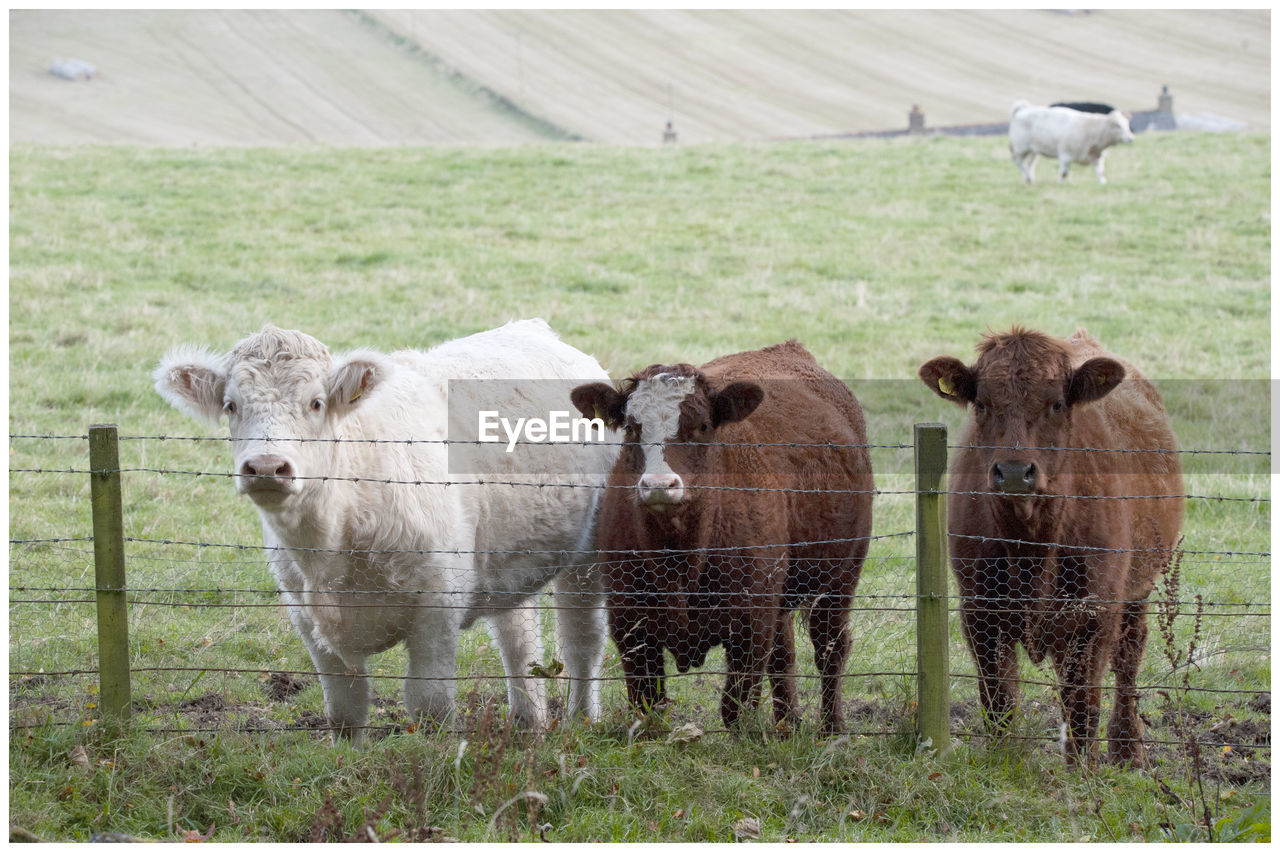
[
  {"x": 1070, "y": 135},
  {"x": 344, "y": 458}
]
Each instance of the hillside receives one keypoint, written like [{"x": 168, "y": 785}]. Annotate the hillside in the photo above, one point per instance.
[
  {"x": 509, "y": 77},
  {"x": 763, "y": 75},
  {"x": 237, "y": 78}
]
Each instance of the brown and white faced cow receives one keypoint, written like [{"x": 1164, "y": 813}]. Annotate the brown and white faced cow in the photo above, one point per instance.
[
  {"x": 1065, "y": 507},
  {"x": 727, "y": 508}
]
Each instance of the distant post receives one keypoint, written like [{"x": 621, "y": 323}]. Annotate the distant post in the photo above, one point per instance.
[
  {"x": 915, "y": 120},
  {"x": 933, "y": 689},
  {"x": 108, "y": 561},
  {"x": 1165, "y": 102}
]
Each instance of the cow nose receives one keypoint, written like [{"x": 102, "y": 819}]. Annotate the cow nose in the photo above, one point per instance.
[
  {"x": 270, "y": 467},
  {"x": 661, "y": 490},
  {"x": 1013, "y": 477}
]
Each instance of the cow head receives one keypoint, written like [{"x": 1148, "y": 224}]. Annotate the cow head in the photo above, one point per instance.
[
  {"x": 670, "y": 415},
  {"x": 1121, "y": 132},
  {"x": 283, "y": 396},
  {"x": 1023, "y": 392}
]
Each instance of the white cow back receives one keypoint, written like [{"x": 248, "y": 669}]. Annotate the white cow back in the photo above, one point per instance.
[{"x": 1069, "y": 135}]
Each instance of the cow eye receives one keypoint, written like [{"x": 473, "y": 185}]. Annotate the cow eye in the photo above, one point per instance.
[
  {"x": 317, "y": 404},
  {"x": 1058, "y": 406},
  {"x": 229, "y": 407},
  {"x": 703, "y": 428},
  {"x": 979, "y": 407}
]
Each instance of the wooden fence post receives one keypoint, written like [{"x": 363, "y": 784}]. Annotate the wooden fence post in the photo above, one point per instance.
[
  {"x": 933, "y": 711},
  {"x": 108, "y": 560}
]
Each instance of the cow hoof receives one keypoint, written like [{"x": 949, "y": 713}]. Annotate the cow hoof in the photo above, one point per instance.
[{"x": 786, "y": 727}]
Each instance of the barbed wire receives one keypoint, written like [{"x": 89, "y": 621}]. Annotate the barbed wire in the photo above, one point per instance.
[
  {"x": 445, "y": 483},
  {"x": 1124, "y": 450},
  {"x": 1098, "y": 549},
  {"x": 395, "y": 728},
  {"x": 1049, "y": 496},
  {"x": 522, "y": 551},
  {"x": 704, "y": 672},
  {"x": 389, "y": 728},
  {"x": 499, "y": 442},
  {"x": 1050, "y": 738},
  {"x": 135, "y": 556},
  {"x": 457, "y": 678},
  {"x": 504, "y": 442},
  {"x": 988, "y": 601},
  {"x": 454, "y": 482}
]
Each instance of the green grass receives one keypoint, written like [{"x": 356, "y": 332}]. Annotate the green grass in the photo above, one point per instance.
[
  {"x": 597, "y": 787},
  {"x": 877, "y": 255}
]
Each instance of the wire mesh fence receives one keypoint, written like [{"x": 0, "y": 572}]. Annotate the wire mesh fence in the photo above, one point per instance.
[{"x": 211, "y": 646}]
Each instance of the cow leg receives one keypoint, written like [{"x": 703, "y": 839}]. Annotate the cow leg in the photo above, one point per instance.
[
  {"x": 995, "y": 655},
  {"x": 829, "y": 630},
  {"x": 346, "y": 695},
  {"x": 640, "y": 651},
  {"x": 520, "y": 642},
  {"x": 1124, "y": 729},
  {"x": 745, "y": 652},
  {"x": 347, "y": 691},
  {"x": 1080, "y": 672},
  {"x": 346, "y": 698},
  {"x": 430, "y": 685},
  {"x": 782, "y": 672},
  {"x": 580, "y": 634},
  {"x": 1097, "y": 169},
  {"x": 1026, "y": 162},
  {"x": 1064, "y": 165}
]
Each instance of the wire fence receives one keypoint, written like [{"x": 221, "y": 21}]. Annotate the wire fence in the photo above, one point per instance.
[{"x": 211, "y": 647}]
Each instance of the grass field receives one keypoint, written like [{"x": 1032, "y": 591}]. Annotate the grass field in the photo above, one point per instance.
[{"x": 876, "y": 255}]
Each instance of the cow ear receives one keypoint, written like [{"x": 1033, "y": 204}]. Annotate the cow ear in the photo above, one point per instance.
[
  {"x": 355, "y": 376},
  {"x": 1094, "y": 379},
  {"x": 950, "y": 379},
  {"x": 735, "y": 402},
  {"x": 599, "y": 400},
  {"x": 193, "y": 380}
]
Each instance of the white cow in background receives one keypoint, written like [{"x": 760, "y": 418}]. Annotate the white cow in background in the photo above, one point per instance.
[
  {"x": 363, "y": 557},
  {"x": 1070, "y": 135}
]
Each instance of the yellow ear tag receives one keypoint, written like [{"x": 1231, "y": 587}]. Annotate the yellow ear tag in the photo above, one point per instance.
[
  {"x": 364, "y": 383},
  {"x": 595, "y": 409},
  {"x": 944, "y": 385}
]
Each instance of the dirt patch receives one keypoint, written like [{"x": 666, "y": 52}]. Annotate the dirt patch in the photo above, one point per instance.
[
  {"x": 1234, "y": 743},
  {"x": 312, "y": 720},
  {"x": 281, "y": 686},
  {"x": 210, "y": 702}
]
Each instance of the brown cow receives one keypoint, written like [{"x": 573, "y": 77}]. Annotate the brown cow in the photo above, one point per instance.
[
  {"x": 1051, "y": 546},
  {"x": 706, "y": 538}
]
